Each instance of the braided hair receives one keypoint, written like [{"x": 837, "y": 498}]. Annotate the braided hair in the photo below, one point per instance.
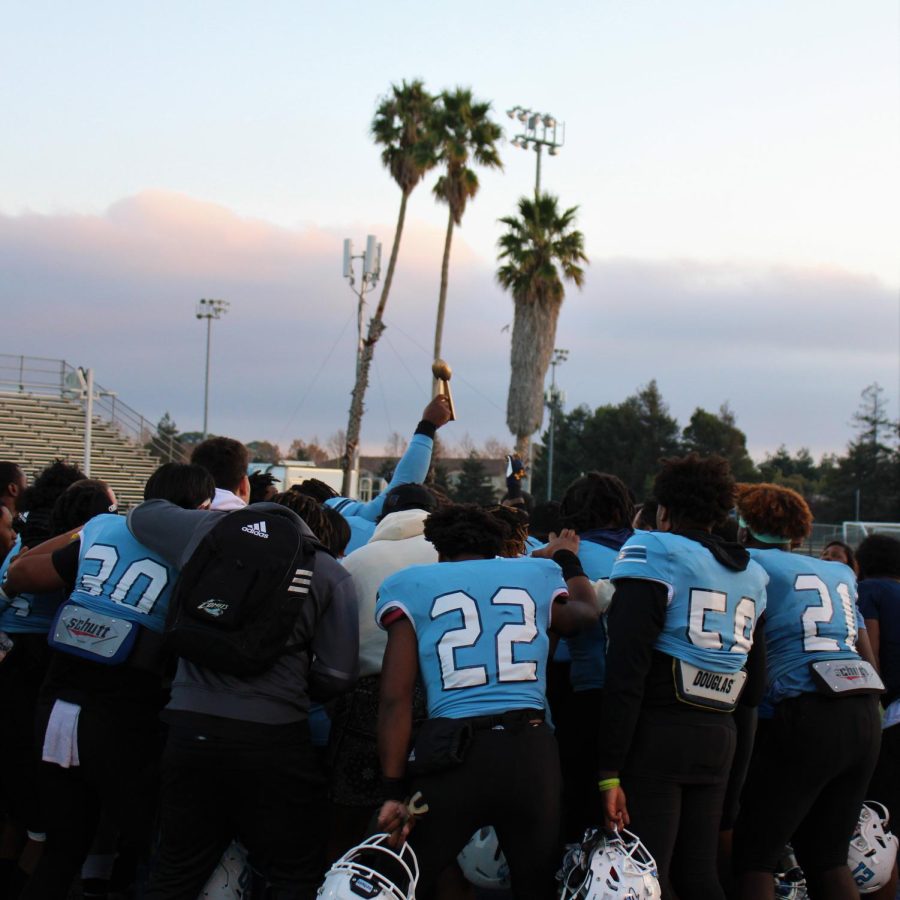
[
  {"x": 465, "y": 528},
  {"x": 515, "y": 520},
  {"x": 318, "y": 490},
  {"x": 596, "y": 500},
  {"x": 311, "y": 512}
]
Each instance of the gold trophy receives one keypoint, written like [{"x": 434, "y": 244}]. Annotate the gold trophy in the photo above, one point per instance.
[{"x": 442, "y": 371}]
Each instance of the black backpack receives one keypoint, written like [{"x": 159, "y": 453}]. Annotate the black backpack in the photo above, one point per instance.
[{"x": 236, "y": 601}]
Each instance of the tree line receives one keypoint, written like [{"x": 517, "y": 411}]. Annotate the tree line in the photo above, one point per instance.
[{"x": 629, "y": 438}]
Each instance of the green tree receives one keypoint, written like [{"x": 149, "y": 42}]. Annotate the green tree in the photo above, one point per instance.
[
  {"x": 165, "y": 444},
  {"x": 625, "y": 439},
  {"x": 708, "y": 433},
  {"x": 540, "y": 250},
  {"x": 465, "y": 133},
  {"x": 868, "y": 476},
  {"x": 402, "y": 127},
  {"x": 473, "y": 484}
]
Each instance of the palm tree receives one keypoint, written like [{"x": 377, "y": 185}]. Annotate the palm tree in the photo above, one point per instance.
[
  {"x": 403, "y": 128},
  {"x": 465, "y": 132},
  {"x": 539, "y": 251}
]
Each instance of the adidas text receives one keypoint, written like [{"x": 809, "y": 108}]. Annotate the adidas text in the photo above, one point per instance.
[{"x": 257, "y": 530}]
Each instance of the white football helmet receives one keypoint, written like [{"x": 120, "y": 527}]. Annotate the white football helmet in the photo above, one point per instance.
[
  {"x": 482, "y": 861},
  {"x": 613, "y": 866},
  {"x": 372, "y": 870},
  {"x": 873, "y": 849},
  {"x": 232, "y": 877}
]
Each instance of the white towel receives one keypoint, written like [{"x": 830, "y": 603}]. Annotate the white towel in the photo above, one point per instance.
[{"x": 61, "y": 738}]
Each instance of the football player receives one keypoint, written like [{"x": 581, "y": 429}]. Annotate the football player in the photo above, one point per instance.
[
  {"x": 476, "y": 628},
  {"x": 680, "y": 630},
  {"x": 599, "y": 508},
  {"x": 811, "y": 766},
  {"x": 99, "y": 704}
]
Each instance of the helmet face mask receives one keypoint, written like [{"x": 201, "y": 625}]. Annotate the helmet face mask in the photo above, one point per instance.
[
  {"x": 482, "y": 861},
  {"x": 873, "y": 849},
  {"x": 370, "y": 870},
  {"x": 613, "y": 866}
]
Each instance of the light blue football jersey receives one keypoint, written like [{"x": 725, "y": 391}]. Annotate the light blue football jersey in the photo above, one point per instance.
[
  {"x": 811, "y": 616},
  {"x": 27, "y": 613},
  {"x": 481, "y": 627},
  {"x": 588, "y": 648},
  {"x": 712, "y": 609},
  {"x": 121, "y": 577}
]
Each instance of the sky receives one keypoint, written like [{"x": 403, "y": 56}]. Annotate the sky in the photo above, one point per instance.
[{"x": 735, "y": 167}]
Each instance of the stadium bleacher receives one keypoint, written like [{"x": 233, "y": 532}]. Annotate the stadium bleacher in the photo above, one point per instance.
[
  {"x": 42, "y": 419},
  {"x": 35, "y": 430}
]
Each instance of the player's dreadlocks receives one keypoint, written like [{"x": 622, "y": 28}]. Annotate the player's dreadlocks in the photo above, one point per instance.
[
  {"x": 596, "y": 500},
  {"x": 695, "y": 489},
  {"x": 771, "y": 509},
  {"x": 515, "y": 520},
  {"x": 79, "y": 503},
  {"x": 463, "y": 528},
  {"x": 310, "y": 511},
  {"x": 340, "y": 529},
  {"x": 318, "y": 490}
]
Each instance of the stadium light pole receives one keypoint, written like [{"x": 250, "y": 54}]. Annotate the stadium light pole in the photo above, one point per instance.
[
  {"x": 371, "y": 272},
  {"x": 209, "y": 310},
  {"x": 539, "y": 130},
  {"x": 554, "y": 398}
]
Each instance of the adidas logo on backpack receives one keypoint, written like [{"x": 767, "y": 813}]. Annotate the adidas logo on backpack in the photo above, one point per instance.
[{"x": 236, "y": 603}]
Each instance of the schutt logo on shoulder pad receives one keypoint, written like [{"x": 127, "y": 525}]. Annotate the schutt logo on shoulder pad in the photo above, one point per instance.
[
  {"x": 257, "y": 529},
  {"x": 213, "y": 608}
]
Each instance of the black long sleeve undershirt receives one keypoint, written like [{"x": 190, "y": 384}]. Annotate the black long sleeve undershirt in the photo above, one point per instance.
[
  {"x": 635, "y": 619},
  {"x": 638, "y": 676}
]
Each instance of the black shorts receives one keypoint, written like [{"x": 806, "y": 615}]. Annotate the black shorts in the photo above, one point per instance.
[{"x": 807, "y": 781}]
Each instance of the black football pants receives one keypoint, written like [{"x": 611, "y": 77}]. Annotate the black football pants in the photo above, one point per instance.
[
  {"x": 264, "y": 788},
  {"x": 510, "y": 780}
]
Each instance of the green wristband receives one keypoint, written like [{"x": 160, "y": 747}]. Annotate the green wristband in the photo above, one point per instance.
[{"x": 607, "y": 784}]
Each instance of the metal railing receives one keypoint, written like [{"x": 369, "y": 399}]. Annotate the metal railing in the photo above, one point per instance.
[{"x": 56, "y": 378}]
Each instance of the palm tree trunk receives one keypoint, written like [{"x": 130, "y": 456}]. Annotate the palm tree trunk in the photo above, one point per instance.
[
  {"x": 376, "y": 327},
  {"x": 533, "y": 336},
  {"x": 442, "y": 299}
]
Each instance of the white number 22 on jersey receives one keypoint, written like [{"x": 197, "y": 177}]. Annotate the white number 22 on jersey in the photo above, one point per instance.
[{"x": 509, "y": 634}]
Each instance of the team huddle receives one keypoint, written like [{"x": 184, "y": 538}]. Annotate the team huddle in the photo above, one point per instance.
[{"x": 238, "y": 692}]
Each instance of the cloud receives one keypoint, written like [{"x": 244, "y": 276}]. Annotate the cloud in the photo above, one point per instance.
[{"x": 790, "y": 349}]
